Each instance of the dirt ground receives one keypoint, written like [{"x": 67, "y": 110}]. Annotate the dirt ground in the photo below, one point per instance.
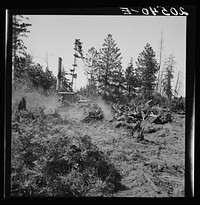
[{"x": 154, "y": 167}]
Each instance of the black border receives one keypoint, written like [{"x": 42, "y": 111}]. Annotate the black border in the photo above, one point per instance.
[
  {"x": 190, "y": 93},
  {"x": 8, "y": 108},
  {"x": 102, "y": 10}
]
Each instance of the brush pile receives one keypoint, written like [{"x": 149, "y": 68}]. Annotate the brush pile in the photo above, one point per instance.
[{"x": 131, "y": 115}]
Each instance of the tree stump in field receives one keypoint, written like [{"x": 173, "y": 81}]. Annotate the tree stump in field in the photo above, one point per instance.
[{"x": 22, "y": 104}]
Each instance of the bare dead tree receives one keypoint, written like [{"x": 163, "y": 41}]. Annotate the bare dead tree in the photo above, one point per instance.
[{"x": 159, "y": 79}]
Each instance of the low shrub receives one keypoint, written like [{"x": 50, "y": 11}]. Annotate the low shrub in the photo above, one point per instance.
[
  {"x": 158, "y": 99},
  {"x": 178, "y": 105}
]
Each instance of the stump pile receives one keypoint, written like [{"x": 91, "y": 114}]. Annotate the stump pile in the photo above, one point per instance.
[{"x": 139, "y": 117}]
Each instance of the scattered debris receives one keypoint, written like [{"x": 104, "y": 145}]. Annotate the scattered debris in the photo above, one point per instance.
[
  {"x": 140, "y": 117},
  {"x": 94, "y": 112},
  {"x": 163, "y": 118},
  {"x": 151, "y": 160}
]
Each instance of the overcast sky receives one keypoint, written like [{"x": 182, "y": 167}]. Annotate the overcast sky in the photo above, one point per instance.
[{"x": 56, "y": 34}]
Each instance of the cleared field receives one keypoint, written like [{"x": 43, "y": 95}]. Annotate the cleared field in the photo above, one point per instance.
[{"x": 154, "y": 167}]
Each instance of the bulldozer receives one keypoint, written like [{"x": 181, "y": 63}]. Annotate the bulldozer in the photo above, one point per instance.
[
  {"x": 66, "y": 95},
  {"x": 70, "y": 104}
]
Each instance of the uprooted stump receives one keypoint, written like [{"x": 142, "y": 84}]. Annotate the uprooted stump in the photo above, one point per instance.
[
  {"x": 22, "y": 104},
  {"x": 163, "y": 118},
  {"x": 138, "y": 132},
  {"x": 141, "y": 119},
  {"x": 140, "y": 136}
]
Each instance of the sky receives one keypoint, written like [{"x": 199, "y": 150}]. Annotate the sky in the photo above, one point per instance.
[{"x": 53, "y": 36}]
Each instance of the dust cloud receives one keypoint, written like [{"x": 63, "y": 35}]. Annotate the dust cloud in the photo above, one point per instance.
[
  {"x": 34, "y": 99},
  {"x": 107, "y": 111}
]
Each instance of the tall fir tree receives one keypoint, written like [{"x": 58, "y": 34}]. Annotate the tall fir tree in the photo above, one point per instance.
[
  {"x": 131, "y": 80},
  {"x": 168, "y": 76},
  {"x": 110, "y": 69},
  {"x": 147, "y": 68},
  {"x": 92, "y": 70},
  {"x": 117, "y": 86}
]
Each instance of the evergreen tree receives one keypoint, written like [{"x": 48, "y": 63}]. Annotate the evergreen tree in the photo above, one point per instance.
[
  {"x": 83, "y": 91},
  {"x": 19, "y": 29},
  {"x": 27, "y": 74},
  {"x": 21, "y": 72},
  {"x": 110, "y": 69},
  {"x": 168, "y": 76},
  {"x": 147, "y": 68},
  {"x": 92, "y": 70},
  {"x": 131, "y": 80},
  {"x": 49, "y": 81},
  {"x": 117, "y": 86},
  {"x": 41, "y": 79},
  {"x": 22, "y": 64}
]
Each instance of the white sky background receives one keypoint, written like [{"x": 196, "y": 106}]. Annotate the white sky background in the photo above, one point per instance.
[{"x": 56, "y": 34}]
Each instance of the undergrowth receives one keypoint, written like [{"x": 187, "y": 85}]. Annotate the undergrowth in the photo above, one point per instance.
[{"x": 47, "y": 161}]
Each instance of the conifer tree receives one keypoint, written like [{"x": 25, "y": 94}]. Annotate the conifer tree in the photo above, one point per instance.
[
  {"x": 147, "y": 68},
  {"x": 131, "y": 80},
  {"x": 110, "y": 69},
  {"x": 91, "y": 70},
  {"x": 117, "y": 86},
  {"x": 168, "y": 76},
  {"x": 19, "y": 30}
]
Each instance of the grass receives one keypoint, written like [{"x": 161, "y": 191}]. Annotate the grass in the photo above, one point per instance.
[
  {"x": 55, "y": 157},
  {"x": 48, "y": 161}
]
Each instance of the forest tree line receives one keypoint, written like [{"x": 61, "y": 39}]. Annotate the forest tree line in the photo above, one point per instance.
[
  {"x": 105, "y": 75},
  {"x": 26, "y": 74}
]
